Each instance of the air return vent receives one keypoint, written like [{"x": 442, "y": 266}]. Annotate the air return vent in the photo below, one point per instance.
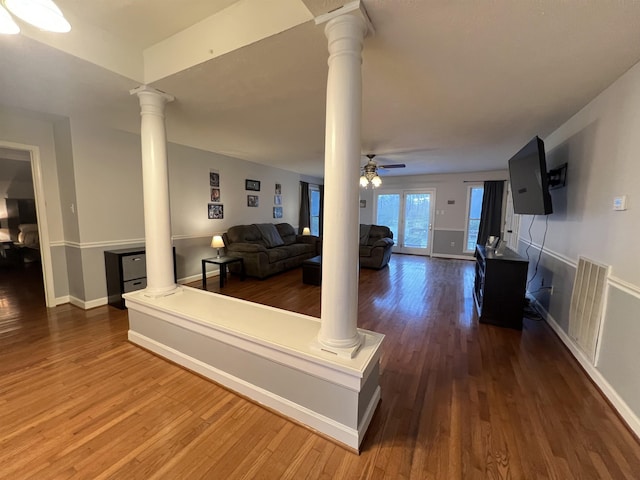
[{"x": 587, "y": 301}]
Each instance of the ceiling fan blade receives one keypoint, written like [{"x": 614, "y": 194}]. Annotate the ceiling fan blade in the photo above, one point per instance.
[{"x": 393, "y": 165}]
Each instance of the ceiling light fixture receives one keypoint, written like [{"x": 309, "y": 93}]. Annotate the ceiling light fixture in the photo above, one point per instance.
[
  {"x": 7, "y": 24},
  {"x": 43, "y": 14},
  {"x": 370, "y": 175}
]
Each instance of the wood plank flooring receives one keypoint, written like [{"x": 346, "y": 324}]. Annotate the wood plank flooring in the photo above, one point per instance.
[{"x": 459, "y": 400}]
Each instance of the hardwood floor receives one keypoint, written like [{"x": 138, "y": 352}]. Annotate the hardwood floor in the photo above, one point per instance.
[{"x": 459, "y": 400}]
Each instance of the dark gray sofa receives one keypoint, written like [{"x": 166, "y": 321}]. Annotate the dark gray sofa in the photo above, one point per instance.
[
  {"x": 376, "y": 242},
  {"x": 267, "y": 249}
]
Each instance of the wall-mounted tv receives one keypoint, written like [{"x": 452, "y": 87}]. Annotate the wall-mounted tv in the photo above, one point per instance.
[{"x": 529, "y": 180}]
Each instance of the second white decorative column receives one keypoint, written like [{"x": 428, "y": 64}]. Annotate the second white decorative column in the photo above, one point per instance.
[
  {"x": 155, "y": 182},
  {"x": 338, "y": 331}
]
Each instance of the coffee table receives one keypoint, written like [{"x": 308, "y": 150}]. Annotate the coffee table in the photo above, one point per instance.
[{"x": 312, "y": 271}]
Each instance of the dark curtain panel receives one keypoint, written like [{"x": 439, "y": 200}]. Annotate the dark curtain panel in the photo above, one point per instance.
[
  {"x": 321, "y": 187},
  {"x": 304, "y": 220},
  {"x": 491, "y": 216}
]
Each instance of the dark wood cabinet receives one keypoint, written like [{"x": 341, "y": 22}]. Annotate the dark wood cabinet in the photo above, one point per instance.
[
  {"x": 126, "y": 271},
  {"x": 500, "y": 287}
]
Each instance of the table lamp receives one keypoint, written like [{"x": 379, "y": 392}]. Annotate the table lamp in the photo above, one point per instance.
[
  {"x": 217, "y": 242},
  {"x": 306, "y": 231}
]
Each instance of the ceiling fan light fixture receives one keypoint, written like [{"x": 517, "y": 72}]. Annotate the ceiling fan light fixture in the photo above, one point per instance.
[
  {"x": 43, "y": 14},
  {"x": 7, "y": 23},
  {"x": 376, "y": 181},
  {"x": 363, "y": 181}
]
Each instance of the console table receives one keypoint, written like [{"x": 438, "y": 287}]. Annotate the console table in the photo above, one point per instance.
[
  {"x": 500, "y": 287},
  {"x": 222, "y": 262}
]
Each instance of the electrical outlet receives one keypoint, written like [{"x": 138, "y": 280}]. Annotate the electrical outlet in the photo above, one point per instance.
[{"x": 453, "y": 244}]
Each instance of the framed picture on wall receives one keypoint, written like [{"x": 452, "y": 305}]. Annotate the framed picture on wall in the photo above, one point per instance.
[
  {"x": 278, "y": 189},
  {"x": 214, "y": 179},
  {"x": 277, "y": 212},
  {"x": 215, "y": 194},
  {"x": 216, "y": 212},
  {"x": 253, "y": 185},
  {"x": 252, "y": 200},
  {"x": 277, "y": 199}
]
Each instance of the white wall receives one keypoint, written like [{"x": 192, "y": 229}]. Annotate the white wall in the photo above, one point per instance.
[{"x": 450, "y": 219}]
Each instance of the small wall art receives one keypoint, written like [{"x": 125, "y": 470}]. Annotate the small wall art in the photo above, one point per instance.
[
  {"x": 277, "y": 199},
  {"x": 253, "y": 185},
  {"x": 214, "y": 178},
  {"x": 278, "y": 189},
  {"x": 215, "y": 194},
  {"x": 216, "y": 212},
  {"x": 277, "y": 212},
  {"x": 252, "y": 201}
]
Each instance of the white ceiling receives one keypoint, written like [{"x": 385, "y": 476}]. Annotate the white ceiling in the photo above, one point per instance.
[{"x": 448, "y": 85}]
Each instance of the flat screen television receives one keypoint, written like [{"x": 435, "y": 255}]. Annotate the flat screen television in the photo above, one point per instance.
[{"x": 529, "y": 180}]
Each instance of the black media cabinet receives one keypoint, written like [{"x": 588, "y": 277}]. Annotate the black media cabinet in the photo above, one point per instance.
[
  {"x": 500, "y": 287},
  {"x": 126, "y": 271}
]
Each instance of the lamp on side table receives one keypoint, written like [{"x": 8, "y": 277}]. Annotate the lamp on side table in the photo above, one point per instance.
[{"x": 217, "y": 242}]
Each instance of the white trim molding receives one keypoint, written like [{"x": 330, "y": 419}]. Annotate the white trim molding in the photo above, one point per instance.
[
  {"x": 87, "y": 304},
  {"x": 623, "y": 285},
  {"x": 551, "y": 253}
]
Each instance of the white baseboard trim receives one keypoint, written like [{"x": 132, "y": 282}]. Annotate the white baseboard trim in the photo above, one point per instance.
[
  {"x": 63, "y": 300},
  {"x": 86, "y": 305},
  {"x": 346, "y": 435},
  {"x": 453, "y": 256},
  {"x": 631, "y": 419},
  {"x": 193, "y": 278}
]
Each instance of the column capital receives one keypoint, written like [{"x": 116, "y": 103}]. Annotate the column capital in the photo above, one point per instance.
[
  {"x": 152, "y": 92},
  {"x": 352, "y": 9}
]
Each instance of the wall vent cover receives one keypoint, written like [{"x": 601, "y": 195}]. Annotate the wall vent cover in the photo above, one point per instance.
[{"x": 587, "y": 302}]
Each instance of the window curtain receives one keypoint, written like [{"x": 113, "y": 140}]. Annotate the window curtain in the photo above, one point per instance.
[
  {"x": 491, "y": 216},
  {"x": 304, "y": 220},
  {"x": 321, "y": 187}
]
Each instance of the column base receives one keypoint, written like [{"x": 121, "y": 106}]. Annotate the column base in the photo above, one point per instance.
[
  {"x": 158, "y": 293},
  {"x": 342, "y": 352}
]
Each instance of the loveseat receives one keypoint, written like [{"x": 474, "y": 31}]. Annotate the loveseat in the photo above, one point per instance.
[
  {"x": 376, "y": 242},
  {"x": 267, "y": 249}
]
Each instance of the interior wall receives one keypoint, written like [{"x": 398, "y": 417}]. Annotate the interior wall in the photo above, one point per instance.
[
  {"x": 601, "y": 145},
  {"x": 449, "y": 222},
  {"x": 30, "y": 128},
  {"x": 107, "y": 173}
]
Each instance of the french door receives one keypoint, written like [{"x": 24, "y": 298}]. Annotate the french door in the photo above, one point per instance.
[{"x": 409, "y": 215}]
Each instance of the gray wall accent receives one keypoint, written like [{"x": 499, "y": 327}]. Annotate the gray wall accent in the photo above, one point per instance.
[
  {"x": 328, "y": 399},
  {"x": 551, "y": 272},
  {"x": 619, "y": 354},
  {"x": 189, "y": 255},
  {"x": 75, "y": 272},
  {"x": 59, "y": 264},
  {"x": 442, "y": 240}
]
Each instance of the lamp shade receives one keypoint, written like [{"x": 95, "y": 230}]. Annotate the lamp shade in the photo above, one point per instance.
[
  {"x": 306, "y": 231},
  {"x": 217, "y": 242},
  {"x": 7, "y": 24},
  {"x": 43, "y": 14}
]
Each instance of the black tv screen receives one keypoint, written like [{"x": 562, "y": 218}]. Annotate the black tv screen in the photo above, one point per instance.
[{"x": 529, "y": 180}]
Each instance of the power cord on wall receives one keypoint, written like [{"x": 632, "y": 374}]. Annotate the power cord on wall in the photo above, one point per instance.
[{"x": 544, "y": 238}]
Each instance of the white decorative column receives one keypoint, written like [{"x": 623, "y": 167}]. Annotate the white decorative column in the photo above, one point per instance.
[
  {"x": 155, "y": 181},
  {"x": 345, "y": 32}
]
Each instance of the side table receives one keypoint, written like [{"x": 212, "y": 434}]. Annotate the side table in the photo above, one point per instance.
[{"x": 222, "y": 262}]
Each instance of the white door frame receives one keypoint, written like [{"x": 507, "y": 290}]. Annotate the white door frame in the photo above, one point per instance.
[
  {"x": 397, "y": 248},
  {"x": 41, "y": 214}
]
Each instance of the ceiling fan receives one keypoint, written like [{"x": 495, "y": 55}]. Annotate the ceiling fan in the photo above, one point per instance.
[
  {"x": 370, "y": 172},
  {"x": 371, "y": 156}
]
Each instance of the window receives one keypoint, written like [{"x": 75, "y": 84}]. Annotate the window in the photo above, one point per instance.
[
  {"x": 314, "y": 209},
  {"x": 474, "y": 210}
]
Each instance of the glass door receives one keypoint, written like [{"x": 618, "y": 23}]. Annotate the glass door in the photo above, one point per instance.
[{"x": 409, "y": 215}]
